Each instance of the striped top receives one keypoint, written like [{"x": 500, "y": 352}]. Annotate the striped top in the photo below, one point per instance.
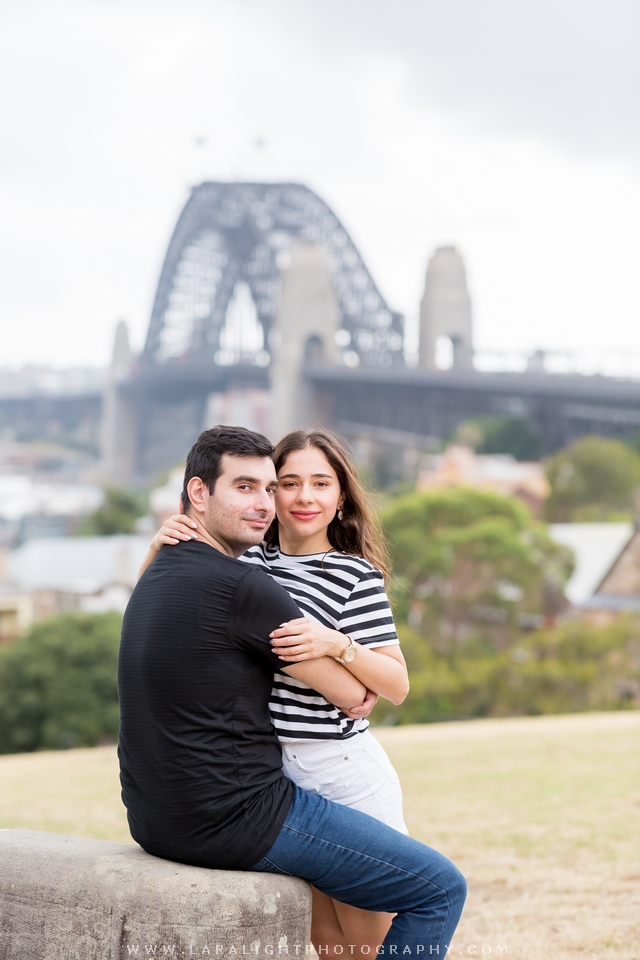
[{"x": 344, "y": 593}]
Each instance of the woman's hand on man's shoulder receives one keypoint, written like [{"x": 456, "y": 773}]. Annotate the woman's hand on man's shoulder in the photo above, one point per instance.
[{"x": 176, "y": 528}]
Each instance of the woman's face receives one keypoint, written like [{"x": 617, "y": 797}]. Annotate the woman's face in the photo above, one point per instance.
[{"x": 308, "y": 493}]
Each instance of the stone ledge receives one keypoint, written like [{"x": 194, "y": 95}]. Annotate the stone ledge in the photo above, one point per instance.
[{"x": 63, "y": 898}]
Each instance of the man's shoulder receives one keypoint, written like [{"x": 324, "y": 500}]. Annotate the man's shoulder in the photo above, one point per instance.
[
  {"x": 258, "y": 594},
  {"x": 208, "y": 570},
  {"x": 255, "y": 578},
  {"x": 196, "y": 555}
]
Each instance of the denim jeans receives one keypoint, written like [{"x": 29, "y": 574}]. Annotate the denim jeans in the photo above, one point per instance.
[{"x": 358, "y": 860}]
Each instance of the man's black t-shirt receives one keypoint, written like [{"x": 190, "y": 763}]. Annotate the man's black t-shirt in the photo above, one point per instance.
[{"x": 200, "y": 763}]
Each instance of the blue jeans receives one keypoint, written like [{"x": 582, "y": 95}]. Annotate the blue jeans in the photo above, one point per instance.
[{"x": 358, "y": 860}]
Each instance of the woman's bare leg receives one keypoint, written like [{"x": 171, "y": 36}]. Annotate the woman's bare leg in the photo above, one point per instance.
[
  {"x": 326, "y": 932},
  {"x": 357, "y": 933},
  {"x": 363, "y": 928}
]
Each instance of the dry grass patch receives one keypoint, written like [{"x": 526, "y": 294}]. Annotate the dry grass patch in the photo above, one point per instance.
[
  {"x": 541, "y": 814},
  {"x": 72, "y": 791}
]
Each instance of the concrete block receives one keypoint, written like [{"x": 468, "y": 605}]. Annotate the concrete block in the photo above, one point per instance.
[{"x": 63, "y": 898}]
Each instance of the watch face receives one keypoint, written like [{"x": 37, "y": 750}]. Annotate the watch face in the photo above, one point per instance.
[{"x": 349, "y": 654}]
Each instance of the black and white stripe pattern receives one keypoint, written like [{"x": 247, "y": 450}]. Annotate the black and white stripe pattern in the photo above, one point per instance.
[{"x": 342, "y": 592}]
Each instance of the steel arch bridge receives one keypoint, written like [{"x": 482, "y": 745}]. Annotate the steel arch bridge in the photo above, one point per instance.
[{"x": 242, "y": 232}]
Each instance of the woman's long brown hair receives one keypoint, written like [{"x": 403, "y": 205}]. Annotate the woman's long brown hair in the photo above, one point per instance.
[{"x": 358, "y": 533}]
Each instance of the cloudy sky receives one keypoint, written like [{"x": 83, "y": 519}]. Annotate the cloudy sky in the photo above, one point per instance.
[{"x": 510, "y": 129}]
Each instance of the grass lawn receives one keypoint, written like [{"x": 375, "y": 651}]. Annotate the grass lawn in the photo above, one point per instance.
[{"x": 541, "y": 814}]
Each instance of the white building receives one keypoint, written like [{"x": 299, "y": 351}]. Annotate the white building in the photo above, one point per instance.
[
  {"x": 46, "y": 577},
  {"x": 596, "y": 546}
]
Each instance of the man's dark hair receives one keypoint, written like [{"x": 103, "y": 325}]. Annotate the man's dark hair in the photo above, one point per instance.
[{"x": 204, "y": 460}]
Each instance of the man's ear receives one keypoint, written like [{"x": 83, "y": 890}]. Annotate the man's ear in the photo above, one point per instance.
[{"x": 198, "y": 494}]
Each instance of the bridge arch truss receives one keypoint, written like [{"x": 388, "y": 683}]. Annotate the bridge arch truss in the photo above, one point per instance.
[{"x": 241, "y": 233}]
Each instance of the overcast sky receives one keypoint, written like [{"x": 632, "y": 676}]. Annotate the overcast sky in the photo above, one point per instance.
[{"x": 509, "y": 128}]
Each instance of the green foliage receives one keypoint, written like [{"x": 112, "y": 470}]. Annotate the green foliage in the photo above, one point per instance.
[
  {"x": 505, "y": 435},
  {"x": 634, "y": 441},
  {"x": 470, "y": 566},
  {"x": 572, "y": 668},
  {"x": 118, "y": 514},
  {"x": 58, "y": 684},
  {"x": 592, "y": 479}
]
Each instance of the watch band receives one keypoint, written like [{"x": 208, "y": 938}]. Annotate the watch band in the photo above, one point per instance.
[{"x": 349, "y": 652}]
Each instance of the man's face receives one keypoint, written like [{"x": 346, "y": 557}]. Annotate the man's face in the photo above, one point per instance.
[{"x": 242, "y": 505}]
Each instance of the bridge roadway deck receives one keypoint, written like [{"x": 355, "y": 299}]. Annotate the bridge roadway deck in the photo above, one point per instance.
[
  {"x": 433, "y": 403},
  {"x": 399, "y": 405}
]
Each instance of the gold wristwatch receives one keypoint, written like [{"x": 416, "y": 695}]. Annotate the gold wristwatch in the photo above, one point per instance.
[{"x": 349, "y": 652}]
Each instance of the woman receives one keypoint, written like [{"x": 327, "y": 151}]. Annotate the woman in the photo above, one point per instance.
[{"x": 327, "y": 553}]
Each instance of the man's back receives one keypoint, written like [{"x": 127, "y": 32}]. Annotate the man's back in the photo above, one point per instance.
[{"x": 200, "y": 762}]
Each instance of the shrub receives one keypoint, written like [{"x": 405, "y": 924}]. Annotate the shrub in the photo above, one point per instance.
[
  {"x": 572, "y": 668},
  {"x": 58, "y": 684}
]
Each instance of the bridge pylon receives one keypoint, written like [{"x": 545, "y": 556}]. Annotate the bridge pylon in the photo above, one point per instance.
[
  {"x": 119, "y": 415},
  {"x": 445, "y": 310},
  {"x": 307, "y": 322}
]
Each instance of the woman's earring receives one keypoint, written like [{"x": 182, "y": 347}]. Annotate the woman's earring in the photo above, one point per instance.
[{"x": 340, "y": 514}]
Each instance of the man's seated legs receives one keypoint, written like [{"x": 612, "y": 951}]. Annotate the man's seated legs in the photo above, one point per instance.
[{"x": 358, "y": 860}]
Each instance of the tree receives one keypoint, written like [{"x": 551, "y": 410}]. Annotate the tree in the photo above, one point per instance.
[
  {"x": 517, "y": 438},
  {"x": 592, "y": 479},
  {"x": 58, "y": 684},
  {"x": 117, "y": 514},
  {"x": 471, "y": 566}
]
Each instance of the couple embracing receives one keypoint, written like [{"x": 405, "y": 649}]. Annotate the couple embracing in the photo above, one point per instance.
[{"x": 252, "y": 651}]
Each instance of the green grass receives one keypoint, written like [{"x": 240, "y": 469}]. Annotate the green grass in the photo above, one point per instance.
[{"x": 542, "y": 815}]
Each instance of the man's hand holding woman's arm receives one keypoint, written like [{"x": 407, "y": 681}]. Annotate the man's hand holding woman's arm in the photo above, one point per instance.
[{"x": 365, "y": 708}]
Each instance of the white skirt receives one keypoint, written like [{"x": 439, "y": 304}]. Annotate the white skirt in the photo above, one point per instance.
[{"x": 355, "y": 772}]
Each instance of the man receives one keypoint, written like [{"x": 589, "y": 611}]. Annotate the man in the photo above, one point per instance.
[{"x": 200, "y": 762}]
